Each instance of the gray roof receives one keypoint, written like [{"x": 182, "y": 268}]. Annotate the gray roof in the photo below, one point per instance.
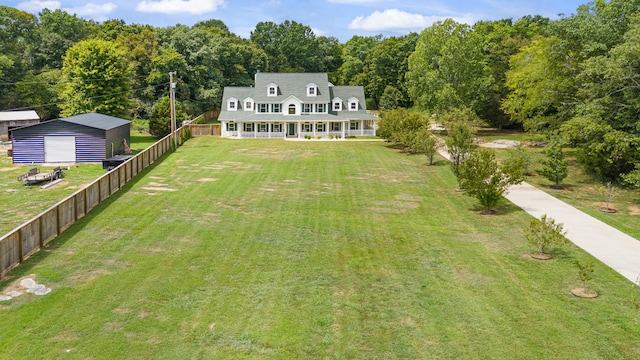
[
  {"x": 19, "y": 115},
  {"x": 294, "y": 84},
  {"x": 291, "y": 84},
  {"x": 95, "y": 120}
]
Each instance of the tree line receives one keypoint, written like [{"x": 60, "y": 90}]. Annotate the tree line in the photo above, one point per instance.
[{"x": 575, "y": 77}]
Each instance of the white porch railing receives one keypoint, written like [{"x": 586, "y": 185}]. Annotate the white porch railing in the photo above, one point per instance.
[
  {"x": 260, "y": 135},
  {"x": 364, "y": 132}
]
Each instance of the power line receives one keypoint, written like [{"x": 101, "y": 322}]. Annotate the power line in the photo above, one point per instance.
[
  {"x": 89, "y": 98},
  {"x": 68, "y": 81}
]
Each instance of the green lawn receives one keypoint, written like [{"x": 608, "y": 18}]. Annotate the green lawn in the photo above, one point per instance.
[
  {"x": 580, "y": 189},
  {"x": 265, "y": 249},
  {"x": 19, "y": 203}
]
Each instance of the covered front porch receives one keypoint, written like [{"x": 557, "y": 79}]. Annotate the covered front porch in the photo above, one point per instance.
[{"x": 298, "y": 129}]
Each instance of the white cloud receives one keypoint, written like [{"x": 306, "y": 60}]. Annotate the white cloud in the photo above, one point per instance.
[
  {"x": 179, "y": 6},
  {"x": 95, "y": 11},
  {"x": 318, "y": 32},
  {"x": 398, "y": 20},
  {"x": 35, "y": 6}
]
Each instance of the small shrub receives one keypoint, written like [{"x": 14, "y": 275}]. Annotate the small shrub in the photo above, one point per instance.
[
  {"x": 544, "y": 232},
  {"x": 330, "y": 136},
  {"x": 585, "y": 272}
]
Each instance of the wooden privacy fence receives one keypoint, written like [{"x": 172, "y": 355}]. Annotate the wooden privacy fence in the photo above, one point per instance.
[
  {"x": 205, "y": 129},
  {"x": 17, "y": 245}
]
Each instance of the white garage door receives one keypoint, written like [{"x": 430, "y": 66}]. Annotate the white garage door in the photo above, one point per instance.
[{"x": 59, "y": 149}]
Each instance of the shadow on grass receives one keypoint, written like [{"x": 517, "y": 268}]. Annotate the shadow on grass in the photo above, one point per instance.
[{"x": 502, "y": 209}]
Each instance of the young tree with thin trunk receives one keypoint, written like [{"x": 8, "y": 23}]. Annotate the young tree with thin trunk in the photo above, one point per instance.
[
  {"x": 544, "y": 232},
  {"x": 555, "y": 167},
  {"x": 482, "y": 177},
  {"x": 459, "y": 143}
]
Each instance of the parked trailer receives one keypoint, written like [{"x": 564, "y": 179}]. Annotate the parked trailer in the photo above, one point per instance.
[{"x": 34, "y": 176}]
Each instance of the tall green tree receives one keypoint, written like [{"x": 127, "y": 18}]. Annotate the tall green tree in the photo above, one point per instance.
[
  {"x": 16, "y": 40},
  {"x": 57, "y": 32},
  {"x": 448, "y": 69},
  {"x": 386, "y": 65},
  {"x": 459, "y": 141},
  {"x": 160, "y": 119},
  {"x": 501, "y": 40},
  {"x": 542, "y": 84},
  {"x": 354, "y": 54},
  {"x": 554, "y": 165},
  {"x": 42, "y": 92},
  {"x": 291, "y": 47},
  {"x": 97, "y": 79}
]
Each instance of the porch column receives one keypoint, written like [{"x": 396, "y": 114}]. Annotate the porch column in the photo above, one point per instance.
[
  {"x": 344, "y": 128},
  {"x": 239, "y": 129},
  {"x": 361, "y": 127},
  {"x": 255, "y": 130}
]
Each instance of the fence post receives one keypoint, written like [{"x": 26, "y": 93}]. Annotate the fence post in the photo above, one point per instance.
[
  {"x": 57, "y": 220},
  {"x": 20, "y": 256}
]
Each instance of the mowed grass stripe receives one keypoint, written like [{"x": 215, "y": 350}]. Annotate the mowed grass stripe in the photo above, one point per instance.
[{"x": 280, "y": 250}]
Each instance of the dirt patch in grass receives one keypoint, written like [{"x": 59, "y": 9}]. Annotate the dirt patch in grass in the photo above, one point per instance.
[
  {"x": 207, "y": 179},
  {"x": 277, "y": 154},
  {"x": 234, "y": 208},
  {"x": 408, "y": 197},
  {"x": 9, "y": 168},
  {"x": 634, "y": 210},
  {"x": 384, "y": 210},
  {"x": 471, "y": 278},
  {"x": 87, "y": 276},
  {"x": 152, "y": 188}
]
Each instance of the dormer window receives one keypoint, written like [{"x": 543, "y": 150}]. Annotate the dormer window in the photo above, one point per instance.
[
  {"x": 248, "y": 104},
  {"x": 353, "y": 104},
  {"x": 312, "y": 90},
  {"x": 337, "y": 104},
  {"x": 272, "y": 90},
  {"x": 232, "y": 104}
]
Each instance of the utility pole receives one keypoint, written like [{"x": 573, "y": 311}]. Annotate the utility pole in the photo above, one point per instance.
[{"x": 172, "y": 97}]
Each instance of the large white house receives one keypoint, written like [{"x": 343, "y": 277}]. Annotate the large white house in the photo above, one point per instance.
[{"x": 295, "y": 105}]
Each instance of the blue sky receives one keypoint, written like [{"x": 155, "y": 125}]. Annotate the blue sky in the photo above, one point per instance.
[{"x": 338, "y": 18}]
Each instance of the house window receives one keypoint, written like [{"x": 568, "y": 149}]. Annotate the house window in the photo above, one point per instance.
[
  {"x": 276, "y": 108},
  {"x": 335, "y": 126},
  {"x": 262, "y": 127},
  {"x": 306, "y": 127},
  {"x": 292, "y": 109},
  {"x": 232, "y": 105},
  {"x": 312, "y": 89},
  {"x": 337, "y": 106},
  {"x": 306, "y": 108},
  {"x": 320, "y": 127},
  {"x": 322, "y": 108},
  {"x": 276, "y": 127},
  {"x": 231, "y": 126},
  {"x": 248, "y": 105},
  {"x": 354, "y": 125},
  {"x": 353, "y": 106},
  {"x": 273, "y": 91},
  {"x": 248, "y": 127},
  {"x": 262, "y": 108}
]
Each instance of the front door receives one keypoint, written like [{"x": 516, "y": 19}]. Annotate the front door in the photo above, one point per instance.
[{"x": 292, "y": 129}]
